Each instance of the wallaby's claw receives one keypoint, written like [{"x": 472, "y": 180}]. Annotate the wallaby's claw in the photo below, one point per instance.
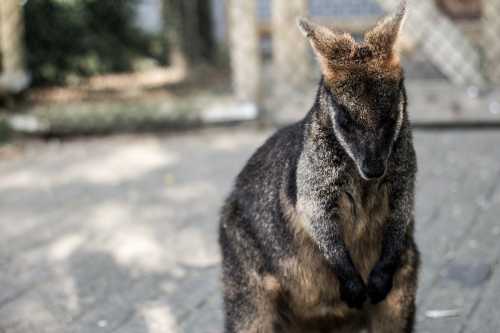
[
  {"x": 379, "y": 285},
  {"x": 353, "y": 293}
]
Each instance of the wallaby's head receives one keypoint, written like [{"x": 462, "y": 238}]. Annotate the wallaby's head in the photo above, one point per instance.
[{"x": 365, "y": 85}]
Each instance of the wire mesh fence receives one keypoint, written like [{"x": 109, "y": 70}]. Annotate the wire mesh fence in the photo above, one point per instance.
[
  {"x": 134, "y": 44},
  {"x": 452, "y": 41}
]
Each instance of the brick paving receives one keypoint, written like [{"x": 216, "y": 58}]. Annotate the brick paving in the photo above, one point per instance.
[{"x": 118, "y": 234}]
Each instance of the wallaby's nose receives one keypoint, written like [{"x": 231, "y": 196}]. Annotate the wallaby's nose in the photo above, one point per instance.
[{"x": 373, "y": 169}]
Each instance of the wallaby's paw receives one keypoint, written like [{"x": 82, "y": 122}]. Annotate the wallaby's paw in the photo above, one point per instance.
[
  {"x": 353, "y": 293},
  {"x": 379, "y": 285}
]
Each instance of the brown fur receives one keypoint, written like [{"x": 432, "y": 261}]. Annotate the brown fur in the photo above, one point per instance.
[
  {"x": 267, "y": 290},
  {"x": 340, "y": 55},
  {"x": 310, "y": 287},
  {"x": 392, "y": 314},
  {"x": 312, "y": 284},
  {"x": 344, "y": 61}
]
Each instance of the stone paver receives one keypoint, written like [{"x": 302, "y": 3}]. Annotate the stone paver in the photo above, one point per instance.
[{"x": 118, "y": 234}]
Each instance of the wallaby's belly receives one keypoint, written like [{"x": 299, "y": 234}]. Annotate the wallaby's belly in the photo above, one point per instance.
[
  {"x": 313, "y": 289},
  {"x": 363, "y": 218},
  {"x": 311, "y": 286}
]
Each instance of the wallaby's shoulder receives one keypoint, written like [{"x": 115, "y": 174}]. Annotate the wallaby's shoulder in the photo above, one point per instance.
[{"x": 275, "y": 155}]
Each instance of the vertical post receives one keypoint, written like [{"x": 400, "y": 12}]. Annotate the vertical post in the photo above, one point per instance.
[
  {"x": 11, "y": 35},
  {"x": 290, "y": 49},
  {"x": 187, "y": 26},
  {"x": 292, "y": 67},
  {"x": 491, "y": 39},
  {"x": 244, "y": 50},
  {"x": 14, "y": 77},
  {"x": 173, "y": 29}
]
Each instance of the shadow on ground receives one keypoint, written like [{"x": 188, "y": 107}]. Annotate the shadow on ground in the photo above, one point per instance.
[{"x": 119, "y": 234}]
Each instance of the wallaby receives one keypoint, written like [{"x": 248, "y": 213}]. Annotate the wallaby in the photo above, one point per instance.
[{"x": 317, "y": 234}]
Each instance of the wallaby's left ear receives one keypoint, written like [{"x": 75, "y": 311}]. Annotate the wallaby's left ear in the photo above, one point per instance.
[
  {"x": 385, "y": 34},
  {"x": 332, "y": 49}
]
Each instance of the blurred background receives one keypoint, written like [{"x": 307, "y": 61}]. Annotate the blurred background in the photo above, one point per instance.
[{"x": 124, "y": 122}]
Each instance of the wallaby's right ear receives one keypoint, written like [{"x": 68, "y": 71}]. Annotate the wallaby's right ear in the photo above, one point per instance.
[
  {"x": 331, "y": 48},
  {"x": 384, "y": 35}
]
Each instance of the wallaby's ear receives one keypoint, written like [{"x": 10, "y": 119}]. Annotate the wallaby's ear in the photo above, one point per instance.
[
  {"x": 306, "y": 26},
  {"x": 384, "y": 35},
  {"x": 331, "y": 48}
]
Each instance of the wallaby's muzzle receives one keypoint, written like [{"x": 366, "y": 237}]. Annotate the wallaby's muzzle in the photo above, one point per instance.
[
  {"x": 371, "y": 157},
  {"x": 372, "y": 169}
]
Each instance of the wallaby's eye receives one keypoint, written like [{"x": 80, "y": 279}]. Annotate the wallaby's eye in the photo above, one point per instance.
[{"x": 343, "y": 118}]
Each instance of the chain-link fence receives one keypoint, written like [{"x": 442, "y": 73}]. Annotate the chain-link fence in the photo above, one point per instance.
[
  {"x": 454, "y": 42},
  {"x": 132, "y": 45}
]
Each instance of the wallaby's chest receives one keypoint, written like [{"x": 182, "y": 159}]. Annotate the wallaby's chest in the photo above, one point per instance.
[
  {"x": 364, "y": 212},
  {"x": 313, "y": 286}
]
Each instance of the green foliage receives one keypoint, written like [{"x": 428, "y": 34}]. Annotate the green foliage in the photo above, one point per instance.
[
  {"x": 67, "y": 39},
  {"x": 5, "y": 131}
]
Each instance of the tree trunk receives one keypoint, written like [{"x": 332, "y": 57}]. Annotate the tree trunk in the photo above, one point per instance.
[
  {"x": 14, "y": 77},
  {"x": 188, "y": 28}
]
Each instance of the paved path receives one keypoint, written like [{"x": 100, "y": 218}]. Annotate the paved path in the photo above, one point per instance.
[{"x": 118, "y": 234}]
